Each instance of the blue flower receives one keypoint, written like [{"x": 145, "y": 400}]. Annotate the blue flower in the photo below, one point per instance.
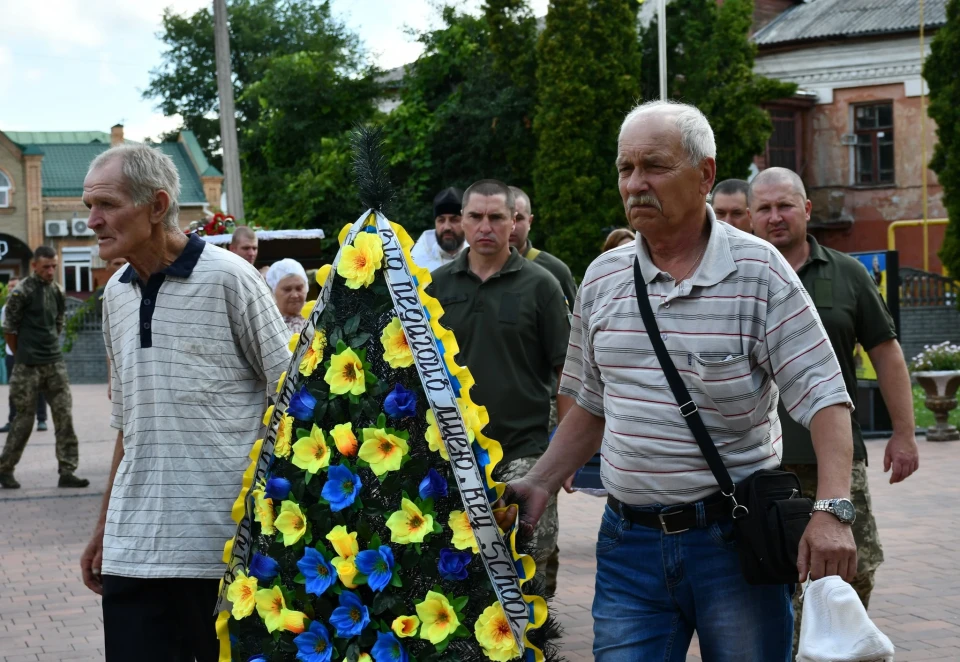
[
  {"x": 302, "y": 405},
  {"x": 350, "y": 617},
  {"x": 263, "y": 568},
  {"x": 453, "y": 565},
  {"x": 257, "y": 658},
  {"x": 388, "y": 649},
  {"x": 341, "y": 488},
  {"x": 318, "y": 572},
  {"x": 433, "y": 485},
  {"x": 400, "y": 402},
  {"x": 314, "y": 645},
  {"x": 277, "y": 488},
  {"x": 377, "y": 565}
]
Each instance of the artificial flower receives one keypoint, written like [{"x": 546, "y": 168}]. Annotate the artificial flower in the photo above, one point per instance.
[
  {"x": 345, "y": 440},
  {"x": 409, "y": 524},
  {"x": 264, "y": 568},
  {"x": 377, "y": 565},
  {"x": 311, "y": 452},
  {"x": 281, "y": 447},
  {"x": 344, "y": 543},
  {"x": 270, "y": 607},
  {"x": 293, "y": 342},
  {"x": 322, "y": 274},
  {"x": 293, "y": 621},
  {"x": 277, "y": 488},
  {"x": 318, "y": 572},
  {"x": 396, "y": 351},
  {"x": 405, "y": 626},
  {"x": 351, "y": 616},
  {"x": 438, "y": 620},
  {"x": 341, "y": 488},
  {"x": 453, "y": 565},
  {"x": 302, "y": 404},
  {"x": 359, "y": 263},
  {"x": 242, "y": 595},
  {"x": 291, "y": 522},
  {"x": 314, "y": 644},
  {"x": 494, "y": 635},
  {"x": 382, "y": 451},
  {"x": 463, "y": 537},
  {"x": 346, "y": 570},
  {"x": 433, "y": 485},
  {"x": 314, "y": 354},
  {"x": 345, "y": 374},
  {"x": 257, "y": 658},
  {"x": 400, "y": 402},
  {"x": 263, "y": 512},
  {"x": 364, "y": 657},
  {"x": 471, "y": 418},
  {"x": 283, "y": 376},
  {"x": 432, "y": 435},
  {"x": 388, "y": 649},
  {"x": 268, "y": 414},
  {"x": 307, "y": 309}
]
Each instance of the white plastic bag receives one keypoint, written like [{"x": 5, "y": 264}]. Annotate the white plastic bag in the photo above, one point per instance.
[{"x": 836, "y": 628}]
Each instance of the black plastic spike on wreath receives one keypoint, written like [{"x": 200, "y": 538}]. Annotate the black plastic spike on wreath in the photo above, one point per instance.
[{"x": 371, "y": 169}]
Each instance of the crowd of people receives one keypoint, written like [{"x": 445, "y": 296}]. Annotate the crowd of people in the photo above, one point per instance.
[{"x": 759, "y": 318}]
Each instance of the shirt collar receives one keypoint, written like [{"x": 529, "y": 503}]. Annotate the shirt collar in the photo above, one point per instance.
[
  {"x": 513, "y": 263},
  {"x": 717, "y": 262},
  {"x": 817, "y": 254},
  {"x": 182, "y": 267}
]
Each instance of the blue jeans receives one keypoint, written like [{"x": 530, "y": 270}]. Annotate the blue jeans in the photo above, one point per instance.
[{"x": 654, "y": 590}]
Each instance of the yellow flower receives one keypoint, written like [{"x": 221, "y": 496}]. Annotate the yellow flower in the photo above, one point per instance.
[
  {"x": 314, "y": 355},
  {"x": 409, "y": 524},
  {"x": 344, "y": 438},
  {"x": 263, "y": 512},
  {"x": 293, "y": 342},
  {"x": 433, "y": 438},
  {"x": 405, "y": 626},
  {"x": 281, "y": 447},
  {"x": 307, "y": 309},
  {"x": 270, "y": 607},
  {"x": 382, "y": 451},
  {"x": 463, "y": 537},
  {"x": 494, "y": 636},
  {"x": 437, "y": 617},
  {"x": 293, "y": 621},
  {"x": 345, "y": 374},
  {"x": 359, "y": 263},
  {"x": 311, "y": 452},
  {"x": 364, "y": 657},
  {"x": 396, "y": 351},
  {"x": 291, "y": 522},
  {"x": 242, "y": 593},
  {"x": 471, "y": 418},
  {"x": 322, "y": 274},
  {"x": 344, "y": 543},
  {"x": 346, "y": 570}
]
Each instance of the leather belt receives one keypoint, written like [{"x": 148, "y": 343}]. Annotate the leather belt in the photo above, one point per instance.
[{"x": 674, "y": 519}]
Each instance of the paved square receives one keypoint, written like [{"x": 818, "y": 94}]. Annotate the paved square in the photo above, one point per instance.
[{"x": 46, "y": 614}]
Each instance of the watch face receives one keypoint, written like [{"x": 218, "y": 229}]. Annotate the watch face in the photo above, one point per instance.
[{"x": 845, "y": 510}]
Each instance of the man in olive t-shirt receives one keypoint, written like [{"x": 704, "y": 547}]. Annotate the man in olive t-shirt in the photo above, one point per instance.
[
  {"x": 852, "y": 312},
  {"x": 512, "y": 327}
]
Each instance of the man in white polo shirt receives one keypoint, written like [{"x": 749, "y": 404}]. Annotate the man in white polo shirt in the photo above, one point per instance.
[
  {"x": 742, "y": 334},
  {"x": 197, "y": 345}
]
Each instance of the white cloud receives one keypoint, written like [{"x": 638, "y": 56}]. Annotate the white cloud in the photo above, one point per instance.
[
  {"x": 151, "y": 126},
  {"x": 33, "y": 74},
  {"x": 106, "y": 75},
  {"x": 6, "y": 64}
]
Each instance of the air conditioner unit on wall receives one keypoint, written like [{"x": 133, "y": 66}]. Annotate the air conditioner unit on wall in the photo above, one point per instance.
[
  {"x": 79, "y": 228},
  {"x": 56, "y": 228}
]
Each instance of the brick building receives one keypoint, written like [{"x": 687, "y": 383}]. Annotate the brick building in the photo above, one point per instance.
[{"x": 41, "y": 185}]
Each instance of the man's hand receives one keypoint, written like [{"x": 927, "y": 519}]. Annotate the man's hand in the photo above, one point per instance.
[
  {"x": 534, "y": 498},
  {"x": 827, "y": 548},
  {"x": 91, "y": 561},
  {"x": 568, "y": 484},
  {"x": 902, "y": 455}
]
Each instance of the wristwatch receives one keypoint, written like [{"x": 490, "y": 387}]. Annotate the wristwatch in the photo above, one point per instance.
[{"x": 842, "y": 509}]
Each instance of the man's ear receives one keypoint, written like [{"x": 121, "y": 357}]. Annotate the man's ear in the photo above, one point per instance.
[
  {"x": 159, "y": 207},
  {"x": 708, "y": 175},
  {"x": 531, "y": 220}
]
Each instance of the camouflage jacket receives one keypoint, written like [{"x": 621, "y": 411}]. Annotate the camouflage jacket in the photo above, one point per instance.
[{"x": 35, "y": 313}]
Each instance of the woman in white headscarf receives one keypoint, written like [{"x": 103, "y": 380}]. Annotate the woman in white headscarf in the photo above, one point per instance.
[{"x": 288, "y": 282}]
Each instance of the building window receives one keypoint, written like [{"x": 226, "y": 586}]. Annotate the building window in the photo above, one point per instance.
[
  {"x": 77, "y": 271},
  {"x": 873, "y": 126},
  {"x": 783, "y": 145},
  {"x": 5, "y": 186}
]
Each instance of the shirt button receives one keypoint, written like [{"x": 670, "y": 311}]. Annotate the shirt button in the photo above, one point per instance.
[
  {"x": 146, "y": 302},
  {"x": 666, "y": 305},
  {"x": 663, "y": 337},
  {"x": 146, "y": 325}
]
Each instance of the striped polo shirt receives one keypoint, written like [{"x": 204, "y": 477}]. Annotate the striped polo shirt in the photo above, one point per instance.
[
  {"x": 743, "y": 334},
  {"x": 196, "y": 350}
]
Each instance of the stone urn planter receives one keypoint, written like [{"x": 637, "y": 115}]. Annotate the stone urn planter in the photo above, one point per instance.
[{"x": 941, "y": 389}]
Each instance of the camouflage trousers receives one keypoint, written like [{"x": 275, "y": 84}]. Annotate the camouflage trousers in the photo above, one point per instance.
[
  {"x": 26, "y": 382},
  {"x": 544, "y": 542},
  {"x": 869, "y": 550}
]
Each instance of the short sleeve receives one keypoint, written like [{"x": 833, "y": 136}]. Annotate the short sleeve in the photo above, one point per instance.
[
  {"x": 116, "y": 384},
  {"x": 581, "y": 376},
  {"x": 262, "y": 335},
  {"x": 874, "y": 324}
]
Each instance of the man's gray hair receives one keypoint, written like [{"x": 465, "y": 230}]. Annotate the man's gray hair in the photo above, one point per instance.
[
  {"x": 146, "y": 170},
  {"x": 777, "y": 175},
  {"x": 696, "y": 135}
]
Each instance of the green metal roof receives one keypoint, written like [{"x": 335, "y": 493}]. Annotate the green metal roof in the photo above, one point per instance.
[
  {"x": 199, "y": 158},
  {"x": 58, "y": 137}
]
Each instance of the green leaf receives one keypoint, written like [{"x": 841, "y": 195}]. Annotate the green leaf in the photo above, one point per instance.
[
  {"x": 436, "y": 527},
  {"x": 302, "y": 432},
  {"x": 395, "y": 580},
  {"x": 363, "y": 355},
  {"x": 459, "y": 603},
  {"x": 341, "y": 346},
  {"x": 351, "y": 325},
  {"x": 359, "y": 340},
  {"x": 461, "y": 632},
  {"x": 442, "y": 646},
  {"x": 307, "y": 477},
  {"x": 385, "y": 601},
  {"x": 375, "y": 541},
  {"x": 369, "y": 377},
  {"x": 381, "y": 420}
]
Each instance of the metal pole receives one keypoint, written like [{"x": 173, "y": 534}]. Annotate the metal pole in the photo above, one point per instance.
[
  {"x": 662, "y": 45},
  {"x": 923, "y": 153},
  {"x": 228, "y": 117}
]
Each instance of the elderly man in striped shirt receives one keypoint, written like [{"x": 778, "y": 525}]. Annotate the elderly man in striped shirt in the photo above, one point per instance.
[
  {"x": 743, "y": 334},
  {"x": 197, "y": 344}
]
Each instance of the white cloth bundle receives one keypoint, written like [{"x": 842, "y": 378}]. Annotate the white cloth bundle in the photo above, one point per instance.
[{"x": 836, "y": 628}]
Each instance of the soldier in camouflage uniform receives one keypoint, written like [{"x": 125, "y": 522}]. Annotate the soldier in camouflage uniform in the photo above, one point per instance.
[
  {"x": 32, "y": 325},
  {"x": 852, "y": 311}
]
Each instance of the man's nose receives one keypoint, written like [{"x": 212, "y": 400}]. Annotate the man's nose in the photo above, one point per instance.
[{"x": 637, "y": 182}]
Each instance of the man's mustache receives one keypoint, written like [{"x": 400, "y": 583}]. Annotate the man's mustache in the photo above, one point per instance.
[{"x": 644, "y": 200}]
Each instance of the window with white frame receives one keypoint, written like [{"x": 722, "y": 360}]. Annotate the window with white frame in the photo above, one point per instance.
[
  {"x": 77, "y": 270},
  {"x": 5, "y": 186}
]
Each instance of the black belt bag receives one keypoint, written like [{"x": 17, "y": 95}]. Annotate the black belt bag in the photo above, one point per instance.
[{"x": 769, "y": 511}]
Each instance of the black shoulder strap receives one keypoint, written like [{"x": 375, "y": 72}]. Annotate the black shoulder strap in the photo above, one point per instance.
[{"x": 688, "y": 408}]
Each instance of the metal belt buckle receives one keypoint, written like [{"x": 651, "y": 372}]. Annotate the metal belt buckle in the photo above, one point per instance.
[
  {"x": 685, "y": 409},
  {"x": 663, "y": 523}
]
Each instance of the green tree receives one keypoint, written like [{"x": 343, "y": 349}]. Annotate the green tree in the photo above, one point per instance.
[
  {"x": 710, "y": 65},
  {"x": 940, "y": 71},
  {"x": 588, "y": 62}
]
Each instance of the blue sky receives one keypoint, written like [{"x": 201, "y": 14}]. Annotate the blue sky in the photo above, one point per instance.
[{"x": 80, "y": 65}]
